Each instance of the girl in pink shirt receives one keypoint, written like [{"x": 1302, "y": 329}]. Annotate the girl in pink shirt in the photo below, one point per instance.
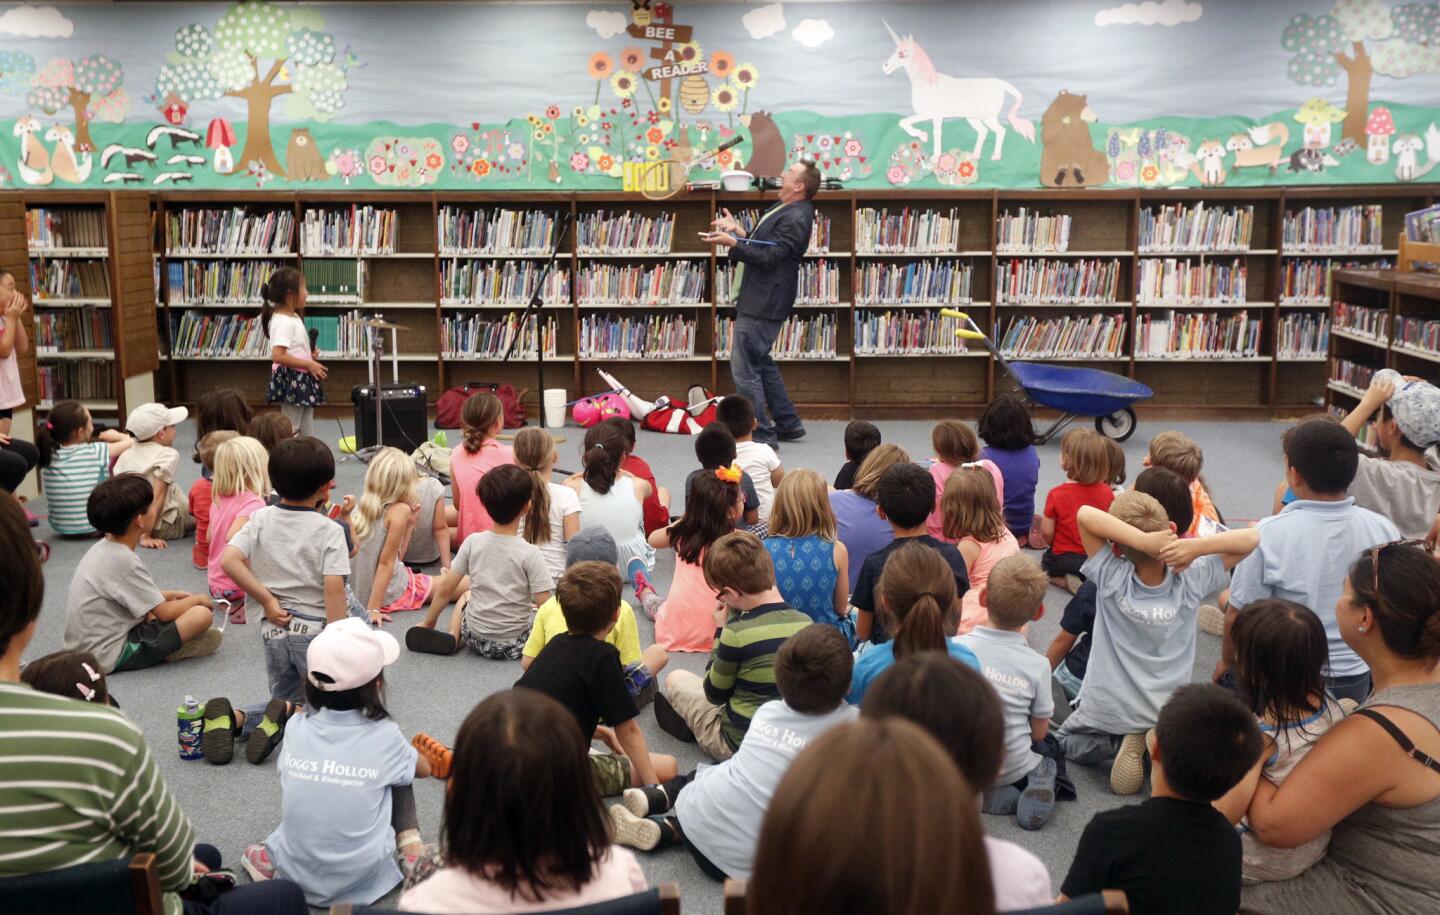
[
  {"x": 483, "y": 418},
  {"x": 974, "y": 521},
  {"x": 955, "y": 444},
  {"x": 686, "y": 621},
  {"x": 239, "y": 488}
]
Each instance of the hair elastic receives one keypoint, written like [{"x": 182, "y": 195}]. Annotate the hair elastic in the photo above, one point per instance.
[{"x": 729, "y": 474}]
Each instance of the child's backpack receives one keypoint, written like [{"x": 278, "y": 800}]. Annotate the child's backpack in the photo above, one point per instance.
[{"x": 448, "y": 408}]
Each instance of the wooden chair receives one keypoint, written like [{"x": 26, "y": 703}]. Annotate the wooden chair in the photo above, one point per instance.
[
  {"x": 661, "y": 900},
  {"x": 121, "y": 887}
]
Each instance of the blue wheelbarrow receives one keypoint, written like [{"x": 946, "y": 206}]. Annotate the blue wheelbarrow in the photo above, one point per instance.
[{"x": 1073, "y": 390}]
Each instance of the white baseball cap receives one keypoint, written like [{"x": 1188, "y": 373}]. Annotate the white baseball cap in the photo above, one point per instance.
[
  {"x": 350, "y": 654},
  {"x": 148, "y": 419}
]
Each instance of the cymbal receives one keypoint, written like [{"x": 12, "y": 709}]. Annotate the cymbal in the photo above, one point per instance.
[{"x": 379, "y": 323}]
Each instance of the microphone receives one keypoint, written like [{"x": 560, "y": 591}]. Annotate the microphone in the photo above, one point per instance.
[
  {"x": 729, "y": 144},
  {"x": 314, "y": 338}
]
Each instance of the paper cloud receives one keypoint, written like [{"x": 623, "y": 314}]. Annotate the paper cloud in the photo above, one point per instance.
[
  {"x": 606, "y": 23},
  {"x": 812, "y": 33},
  {"x": 36, "y": 22},
  {"x": 1151, "y": 12},
  {"x": 764, "y": 21}
]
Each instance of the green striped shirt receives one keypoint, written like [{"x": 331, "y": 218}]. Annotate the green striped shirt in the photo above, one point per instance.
[
  {"x": 742, "y": 667},
  {"x": 73, "y": 472},
  {"x": 77, "y": 784}
]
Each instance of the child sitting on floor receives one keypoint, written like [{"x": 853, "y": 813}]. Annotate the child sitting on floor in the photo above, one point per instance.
[
  {"x": 686, "y": 620},
  {"x": 656, "y": 506},
  {"x": 482, "y": 416},
  {"x": 1013, "y": 597},
  {"x": 1144, "y": 640},
  {"x": 1085, "y": 458},
  {"x": 554, "y": 515},
  {"x": 239, "y": 489},
  {"x": 811, "y": 566},
  {"x": 500, "y": 577},
  {"x": 113, "y": 608},
  {"x": 1405, "y": 488},
  {"x": 1176, "y": 845},
  {"x": 955, "y": 445},
  {"x": 72, "y": 674},
  {"x": 717, "y": 810},
  {"x": 1010, "y": 444},
  {"x": 383, "y": 523},
  {"x": 153, "y": 426},
  {"x": 974, "y": 521},
  {"x": 71, "y": 465},
  {"x": 715, "y": 450},
  {"x": 582, "y": 671},
  {"x": 715, "y": 711},
  {"x": 270, "y": 429},
  {"x": 1177, "y": 452},
  {"x": 348, "y": 823},
  {"x": 1116, "y": 478},
  {"x": 434, "y": 525},
  {"x": 861, "y": 438},
  {"x": 202, "y": 493},
  {"x": 757, "y": 459}
]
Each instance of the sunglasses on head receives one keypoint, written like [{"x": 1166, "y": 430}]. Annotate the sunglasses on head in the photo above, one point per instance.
[{"x": 1379, "y": 550}]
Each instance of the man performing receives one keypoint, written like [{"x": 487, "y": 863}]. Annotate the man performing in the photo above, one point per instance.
[{"x": 767, "y": 269}]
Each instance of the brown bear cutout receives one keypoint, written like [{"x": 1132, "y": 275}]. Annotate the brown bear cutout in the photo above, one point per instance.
[
  {"x": 1069, "y": 157},
  {"x": 302, "y": 157},
  {"x": 767, "y": 146}
]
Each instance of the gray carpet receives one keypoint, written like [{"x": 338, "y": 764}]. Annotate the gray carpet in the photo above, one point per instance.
[{"x": 239, "y": 804}]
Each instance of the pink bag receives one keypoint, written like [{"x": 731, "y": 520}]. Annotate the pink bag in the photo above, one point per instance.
[{"x": 599, "y": 408}]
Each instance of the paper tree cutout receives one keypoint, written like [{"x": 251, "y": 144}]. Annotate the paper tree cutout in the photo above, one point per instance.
[
  {"x": 1404, "y": 40},
  {"x": 229, "y": 62},
  {"x": 91, "y": 86},
  {"x": 17, "y": 69}
]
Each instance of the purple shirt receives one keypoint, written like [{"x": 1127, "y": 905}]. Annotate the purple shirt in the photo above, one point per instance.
[
  {"x": 859, "y": 528},
  {"x": 1021, "y": 469}
]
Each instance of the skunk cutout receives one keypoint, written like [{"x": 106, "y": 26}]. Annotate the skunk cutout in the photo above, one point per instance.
[
  {"x": 172, "y": 178},
  {"x": 131, "y": 154},
  {"x": 124, "y": 178},
  {"x": 183, "y": 159},
  {"x": 177, "y": 136}
]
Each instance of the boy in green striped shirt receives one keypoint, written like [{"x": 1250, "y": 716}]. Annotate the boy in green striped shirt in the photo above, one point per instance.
[{"x": 754, "y": 620}]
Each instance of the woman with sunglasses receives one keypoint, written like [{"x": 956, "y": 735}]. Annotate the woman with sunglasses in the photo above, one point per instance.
[{"x": 1374, "y": 779}]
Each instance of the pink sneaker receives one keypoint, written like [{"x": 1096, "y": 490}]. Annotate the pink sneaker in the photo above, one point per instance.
[{"x": 257, "y": 863}]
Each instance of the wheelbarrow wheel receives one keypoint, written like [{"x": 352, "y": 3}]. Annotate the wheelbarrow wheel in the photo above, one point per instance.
[{"x": 1119, "y": 425}]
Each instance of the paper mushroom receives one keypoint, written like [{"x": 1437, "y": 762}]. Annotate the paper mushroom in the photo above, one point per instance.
[
  {"x": 220, "y": 137},
  {"x": 174, "y": 109},
  {"x": 1378, "y": 129},
  {"x": 1317, "y": 115}
]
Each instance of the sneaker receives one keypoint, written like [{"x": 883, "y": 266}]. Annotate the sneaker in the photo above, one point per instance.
[
  {"x": 670, "y": 721},
  {"x": 435, "y": 753},
  {"x": 268, "y": 733},
  {"x": 646, "y": 802},
  {"x": 1037, "y": 801},
  {"x": 634, "y": 832},
  {"x": 1211, "y": 619},
  {"x": 217, "y": 741},
  {"x": 651, "y": 602},
  {"x": 1127, "y": 773},
  {"x": 257, "y": 863},
  {"x": 202, "y": 646},
  {"x": 31, "y": 518},
  {"x": 1000, "y": 800}
]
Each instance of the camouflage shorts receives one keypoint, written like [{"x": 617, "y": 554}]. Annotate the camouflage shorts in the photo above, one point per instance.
[{"x": 612, "y": 773}]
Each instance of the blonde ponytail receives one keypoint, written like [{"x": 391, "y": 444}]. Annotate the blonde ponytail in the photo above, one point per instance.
[{"x": 390, "y": 478}]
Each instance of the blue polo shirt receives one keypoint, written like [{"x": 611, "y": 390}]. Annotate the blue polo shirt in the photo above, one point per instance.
[
  {"x": 1305, "y": 554},
  {"x": 877, "y": 659}
]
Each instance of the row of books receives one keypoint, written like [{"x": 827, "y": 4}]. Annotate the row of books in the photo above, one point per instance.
[
  {"x": 67, "y": 279},
  {"x": 906, "y": 230},
  {"x": 229, "y": 231},
  {"x": 606, "y": 232},
  {"x": 1097, "y": 336},
  {"x": 642, "y": 336},
  {"x": 819, "y": 232},
  {"x": 1351, "y": 228},
  {"x": 333, "y": 279},
  {"x": 1300, "y": 335},
  {"x": 357, "y": 230},
  {"x": 1360, "y": 319},
  {"x": 475, "y": 282},
  {"x": 1064, "y": 282},
  {"x": 67, "y": 227},
  {"x": 1196, "y": 335},
  {"x": 810, "y": 337},
  {"x": 217, "y": 282},
  {"x": 481, "y": 337},
  {"x": 1028, "y": 231},
  {"x": 473, "y": 230},
  {"x": 1198, "y": 281},
  {"x": 71, "y": 329},
  {"x": 818, "y": 284},
  {"x": 672, "y": 282},
  {"x": 81, "y": 379},
  {"x": 1420, "y": 333},
  {"x": 1180, "y": 227},
  {"x": 1308, "y": 281},
  {"x": 905, "y": 333},
  {"x": 1354, "y": 374},
  {"x": 198, "y": 334},
  {"x": 945, "y": 281}
]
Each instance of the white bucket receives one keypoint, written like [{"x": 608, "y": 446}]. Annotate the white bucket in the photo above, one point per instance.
[{"x": 555, "y": 407}]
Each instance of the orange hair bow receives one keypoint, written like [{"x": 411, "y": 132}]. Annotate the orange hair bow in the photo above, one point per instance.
[{"x": 729, "y": 474}]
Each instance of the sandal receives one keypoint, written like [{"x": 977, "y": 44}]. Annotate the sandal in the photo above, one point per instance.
[
  {"x": 268, "y": 732},
  {"x": 435, "y": 753},
  {"x": 217, "y": 742},
  {"x": 431, "y": 641}
]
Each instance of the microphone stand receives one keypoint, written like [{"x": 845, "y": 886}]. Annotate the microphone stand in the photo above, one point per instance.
[{"x": 533, "y": 309}]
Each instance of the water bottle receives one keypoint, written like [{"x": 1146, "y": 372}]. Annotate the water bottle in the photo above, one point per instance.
[{"x": 189, "y": 718}]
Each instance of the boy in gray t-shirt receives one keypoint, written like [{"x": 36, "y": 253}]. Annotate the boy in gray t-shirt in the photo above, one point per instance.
[
  {"x": 1406, "y": 487},
  {"x": 1143, "y": 646},
  {"x": 292, "y": 561},
  {"x": 1013, "y": 596},
  {"x": 500, "y": 577}
]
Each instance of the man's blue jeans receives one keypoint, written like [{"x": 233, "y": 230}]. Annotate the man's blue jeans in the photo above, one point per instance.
[{"x": 758, "y": 378}]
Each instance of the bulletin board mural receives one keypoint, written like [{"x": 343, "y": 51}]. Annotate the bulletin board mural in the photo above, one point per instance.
[{"x": 914, "y": 95}]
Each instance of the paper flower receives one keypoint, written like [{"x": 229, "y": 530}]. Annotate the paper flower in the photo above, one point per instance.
[
  {"x": 623, "y": 84},
  {"x": 725, "y": 97},
  {"x": 632, "y": 59},
  {"x": 722, "y": 63},
  {"x": 602, "y": 65},
  {"x": 459, "y": 143},
  {"x": 746, "y": 76}
]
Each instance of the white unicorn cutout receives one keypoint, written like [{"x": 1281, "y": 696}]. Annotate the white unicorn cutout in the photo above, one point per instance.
[{"x": 935, "y": 97}]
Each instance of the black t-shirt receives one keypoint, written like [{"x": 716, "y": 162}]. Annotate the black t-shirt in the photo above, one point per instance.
[
  {"x": 864, "y": 596},
  {"x": 1169, "y": 856},
  {"x": 846, "y": 477},
  {"x": 1079, "y": 621},
  {"x": 583, "y": 674}
]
